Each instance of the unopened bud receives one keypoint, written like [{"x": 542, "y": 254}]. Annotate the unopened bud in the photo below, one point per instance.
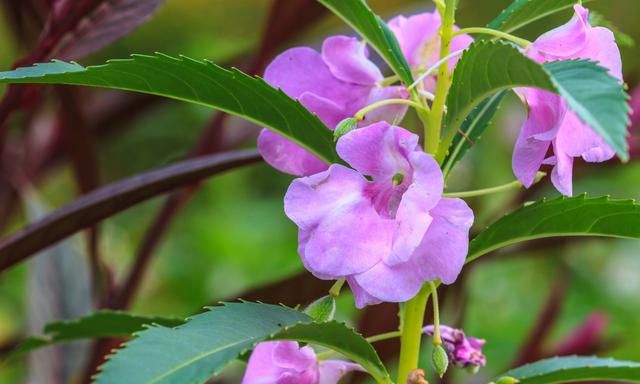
[
  {"x": 416, "y": 377},
  {"x": 507, "y": 380},
  {"x": 344, "y": 127},
  {"x": 322, "y": 309},
  {"x": 440, "y": 360}
]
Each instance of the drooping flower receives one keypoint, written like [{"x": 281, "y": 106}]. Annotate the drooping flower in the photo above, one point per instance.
[
  {"x": 385, "y": 235},
  {"x": 550, "y": 123},
  {"x": 334, "y": 84},
  {"x": 284, "y": 362},
  {"x": 419, "y": 39},
  {"x": 463, "y": 351}
]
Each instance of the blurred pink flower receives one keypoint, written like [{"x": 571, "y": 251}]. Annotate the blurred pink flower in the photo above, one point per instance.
[
  {"x": 463, "y": 351},
  {"x": 385, "y": 235},
  {"x": 333, "y": 84},
  {"x": 634, "y": 137},
  {"x": 550, "y": 123},
  {"x": 284, "y": 362},
  {"x": 419, "y": 39}
]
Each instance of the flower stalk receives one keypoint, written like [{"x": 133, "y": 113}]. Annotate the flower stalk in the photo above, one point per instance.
[
  {"x": 411, "y": 331},
  {"x": 493, "y": 32}
]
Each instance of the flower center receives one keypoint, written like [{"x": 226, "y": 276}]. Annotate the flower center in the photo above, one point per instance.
[{"x": 397, "y": 179}]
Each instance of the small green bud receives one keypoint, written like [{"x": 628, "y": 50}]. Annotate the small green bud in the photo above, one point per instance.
[
  {"x": 473, "y": 369},
  {"x": 507, "y": 380},
  {"x": 322, "y": 309},
  {"x": 345, "y": 126},
  {"x": 440, "y": 360},
  {"x": 397, "y": 179}
]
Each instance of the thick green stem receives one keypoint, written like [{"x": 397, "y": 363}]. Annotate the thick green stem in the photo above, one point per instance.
[
  {"x": 412, "y": 333},
  {"x": 434, "y": 129}
]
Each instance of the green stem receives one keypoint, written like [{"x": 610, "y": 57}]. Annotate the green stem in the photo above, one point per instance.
[
  {"x": 336, "y": 287},
  {"x": 360, "y": 114},
  {"x": 412, "y": 333},
  {"x": 372, "y": 339},
  {"x": 434, "y": 128},
  {"x": 497, "y": 189},
  {"x": 436, "y": 314},
  {"x": 493, "y": 32}
]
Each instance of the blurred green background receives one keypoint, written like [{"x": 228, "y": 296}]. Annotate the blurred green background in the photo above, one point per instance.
[{"x": 234, "y": 236}]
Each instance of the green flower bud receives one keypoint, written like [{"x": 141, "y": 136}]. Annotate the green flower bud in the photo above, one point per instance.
[
  {"x": 345, "y": 126},
  {"x": 322, "y": 309},
  {"x": 507, "y": 380},
  {"x": 440, "y": 360},
  {"x": 473, "y": 369}
]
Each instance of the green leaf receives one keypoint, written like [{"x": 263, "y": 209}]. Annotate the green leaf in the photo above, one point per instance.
[
  {"x": 576, "y": 368},
  {"x": 341, "y": 339},
  {"x": 195, "y": 81},
  {"x": 576, "y": 216},
  {"x": 195, "y": 351},
  {"x": 97, "y": 325},
  {"x": 523, "y": 12},
  {"x": 589, "y": 90},
  {"x": 360, "y": 17},
  {"x": 473, "y": 127}
]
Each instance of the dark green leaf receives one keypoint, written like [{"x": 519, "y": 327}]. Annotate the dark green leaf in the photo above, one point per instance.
[
  {"x": 97, "y": 325},
  {"x": 360, "y": 17},
  {"x": 472, "y": 127},
  {"x": 523, "y": 12},
  {"x": 199, "y": 82},
  {"x": 576, "y": 368},
  {"x": 588, "y": 89},
  {"x": 338, "y": 337},
  {"x": 577, "y": 216},
  {"x": 193, "y": 352}
]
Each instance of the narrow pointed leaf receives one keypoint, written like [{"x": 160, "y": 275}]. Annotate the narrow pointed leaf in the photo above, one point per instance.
[
  {"x": 360, "y": 17},
  {"x": 209, "y": 341},
  {"x": 195, "y": 81},
  {"x": 596, "y": 97},
  {"x": 97, "y": 325},
  {"x": 577, "y": 216},
  {"x": 471, "y": 130},
  {"x": 524, "y": 12},
  {"x": 576, "y": 368}
]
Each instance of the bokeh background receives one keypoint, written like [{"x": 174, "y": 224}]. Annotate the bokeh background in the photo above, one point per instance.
[{"x": 233, "y": 239}]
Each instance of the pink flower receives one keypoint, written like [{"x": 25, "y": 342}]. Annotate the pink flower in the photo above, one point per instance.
[
  {"x": 284, "y": 362},
  {"x": 333, "y": 84},
  {"x": 385, "y": 235},
  {"x": 634, "y": 138},
  {"x": 463, "y": 351},
  {"x": 550, "y": 123},
  {"x": 419, "y": 39}
]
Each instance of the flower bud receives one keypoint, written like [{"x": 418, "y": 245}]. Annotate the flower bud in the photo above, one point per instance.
[
  {"x": 507, "y": 380},
  {"x": 440, "y": 360},
  {"x": 345, "y": 126},
  {"x": 322, "y": 309}
]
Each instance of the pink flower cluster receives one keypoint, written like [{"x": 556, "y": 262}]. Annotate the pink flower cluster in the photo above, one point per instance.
[{"x": 550, "y": 123}]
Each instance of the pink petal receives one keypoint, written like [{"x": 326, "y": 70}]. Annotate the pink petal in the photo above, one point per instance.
[
  {"x": 289, "y": 355},
  {"x": 442, "y": 253},
  {"x": 567, "y": 39},
  {"x": 348, "y": 60},
  {"x": 331, "y": 371},
  {"x": 389, "y": 113},
  {"x": 288, "y": 157},
  {"x": 378, "y": 150},
  {"x": 329, "y": 112},
  {"x": 395, "y": 284},
  {"x": 601, "y": 47},
  {"x": 418, "y": 37},
  {"x": 345, "y": 233},
  {"x": 413, "y": 217},
  {"x": 361, "y": 297},
  {"x": 578, "y": 140},
  {"x": 260, "y": 368},
  {"x": 546, "y": 113},
  {"x": 562, "y": 174}
]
